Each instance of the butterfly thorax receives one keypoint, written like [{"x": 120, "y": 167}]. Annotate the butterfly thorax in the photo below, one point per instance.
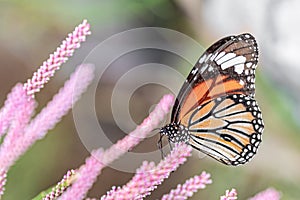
[{"x": 176, "y": 132}]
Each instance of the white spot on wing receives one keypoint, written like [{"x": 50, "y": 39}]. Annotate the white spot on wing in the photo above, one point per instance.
[
  {"x": 239, "y": 68},
  {"x": 226, "y": 57},
  {"x": 220, "y": 55},
  {"x": 203, "y": 68},
  {"x": 213, "y": 57},
  {"x": 208, "y": 56},
  {"x": 194, "y": 71},
  {"x": 234, "y": 61},
  {"x": 202, "y": 58},
  {"x": 249, "y": 64}
]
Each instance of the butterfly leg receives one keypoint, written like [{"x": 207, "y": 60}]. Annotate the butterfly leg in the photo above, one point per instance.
[
  {"x": 159, "y": 145},
  {"x": 171, "y": 148}
]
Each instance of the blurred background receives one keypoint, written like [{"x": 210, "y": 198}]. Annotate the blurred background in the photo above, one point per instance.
[{"x": 31, "y": 30}]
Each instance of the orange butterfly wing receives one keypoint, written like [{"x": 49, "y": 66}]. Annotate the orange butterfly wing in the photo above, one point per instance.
[
  {"x": 227, "y": 128},
  {"x": 227, "y": 67},
  {"x": 216, "y": 101}
]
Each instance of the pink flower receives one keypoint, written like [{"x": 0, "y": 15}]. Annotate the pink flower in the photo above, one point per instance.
[
  {"x": 19, "y": 107},
  {"x": 149, "y": 176},
  {"x": 43, "y": 74},
  {"x": 92, "y": 168},
  {"x": 23, "y": 111},
  {"x": 23, "y": 135},
  {"x": 268, "y": 194},
  {"x": 229, "y": 195},
  {"x": 191, "y": 186},
  {"x": 17, "y": 99},
  {"x": 2, "y": 181},
  {"x": 61, "y": 186},
  {"x": 60, "y": 56}
]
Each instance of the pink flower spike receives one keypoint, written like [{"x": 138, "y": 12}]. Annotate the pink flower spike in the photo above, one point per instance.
[
  {"x": 149, "y": 176},
  {"x": 141, "y": 132},
  {"x": 229, "y": 195},
  {"x": 24, "y": 111},
  {"x": 87, "y": 175},
  {"x": 2, "y": 181},
  {"x": 268, "y": 194},
  {"x": 191, "y": 186},
  {"x": 60, "y": 56},
  {"x": 62, "y": 102},
  {"x": 14, "y": 102},
  {"x": 61, "y": 186},
  {"x": 92, "y": 168},
  {"x": 49, "y": 116}
]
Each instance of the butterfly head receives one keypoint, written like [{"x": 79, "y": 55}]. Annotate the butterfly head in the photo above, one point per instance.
[{"x": 176, "y": 132}]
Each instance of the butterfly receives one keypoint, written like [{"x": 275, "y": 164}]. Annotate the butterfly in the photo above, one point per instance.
[{"x": 215, "y": 111}]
